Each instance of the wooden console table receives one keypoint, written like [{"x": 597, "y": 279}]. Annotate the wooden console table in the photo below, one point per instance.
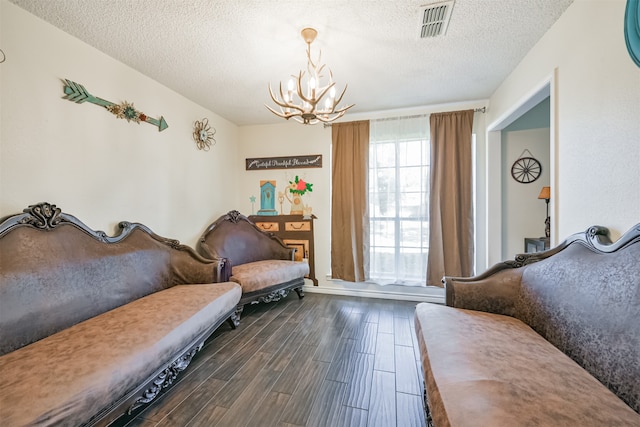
[{"x": 295, "y": 231}]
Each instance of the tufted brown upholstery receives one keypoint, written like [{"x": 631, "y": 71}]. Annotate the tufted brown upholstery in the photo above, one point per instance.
[
  {"x": 569, "y": 348},
  {"x": 86, "y": 319}
]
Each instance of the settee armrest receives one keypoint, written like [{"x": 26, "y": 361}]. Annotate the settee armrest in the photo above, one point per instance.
[
  {"x": 494, "y": 291},
  {"x": 292, "y": 254}
]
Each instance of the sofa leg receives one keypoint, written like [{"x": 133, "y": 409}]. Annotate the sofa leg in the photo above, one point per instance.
[
  {"x": 234, "y": 320},
  {"x": 427, "y": 411},
  {"x": 300, "y": 292},
  {"x": 238, "y": 312}
]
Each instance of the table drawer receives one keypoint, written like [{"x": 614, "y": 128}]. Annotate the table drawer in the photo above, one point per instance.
[
  {"x": 297, "y": 226},
  {"x": 268, "y": 226}
]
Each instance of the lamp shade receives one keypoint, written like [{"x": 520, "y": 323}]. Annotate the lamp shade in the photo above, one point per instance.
[{"x": 545, "y": 193}]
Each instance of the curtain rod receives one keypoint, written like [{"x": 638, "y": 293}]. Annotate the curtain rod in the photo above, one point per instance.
[{"x": 476, "y": 110}]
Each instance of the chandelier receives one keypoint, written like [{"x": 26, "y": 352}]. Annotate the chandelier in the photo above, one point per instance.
[{"x": 306, "y": 106}]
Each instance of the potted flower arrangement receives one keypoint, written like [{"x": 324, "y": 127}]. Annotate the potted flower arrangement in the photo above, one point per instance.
[{"x": 298, "y": 188}]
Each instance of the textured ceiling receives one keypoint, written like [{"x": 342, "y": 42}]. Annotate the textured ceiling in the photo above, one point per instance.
[{"x": 222, "y": 54}]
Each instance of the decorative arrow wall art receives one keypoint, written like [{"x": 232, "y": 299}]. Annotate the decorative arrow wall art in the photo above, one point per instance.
[{"x": 77, "y": 93}]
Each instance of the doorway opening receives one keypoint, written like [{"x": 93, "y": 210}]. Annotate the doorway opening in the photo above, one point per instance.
[{"x": 501, "y": 239}]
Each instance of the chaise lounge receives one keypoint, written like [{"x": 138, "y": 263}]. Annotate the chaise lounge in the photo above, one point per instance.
[
  {"x": 549, "y": 339},
  {"x": 93, "y": 326},
  {"x": 259, "y": 261}
]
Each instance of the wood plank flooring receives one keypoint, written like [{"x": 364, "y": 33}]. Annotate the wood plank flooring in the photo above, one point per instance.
[{"x": 323, "y": 361}]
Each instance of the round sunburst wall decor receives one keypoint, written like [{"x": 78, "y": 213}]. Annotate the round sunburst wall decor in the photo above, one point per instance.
[{"x": 203, "y": 135}]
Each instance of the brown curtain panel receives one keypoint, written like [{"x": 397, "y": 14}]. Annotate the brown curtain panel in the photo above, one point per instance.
[
  {"x": 451, "y": 204},
  {"x": 349, "y": 201}
]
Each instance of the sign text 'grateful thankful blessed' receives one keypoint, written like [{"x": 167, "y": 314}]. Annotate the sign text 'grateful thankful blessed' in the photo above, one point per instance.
[{"x": 290, "y": 162}]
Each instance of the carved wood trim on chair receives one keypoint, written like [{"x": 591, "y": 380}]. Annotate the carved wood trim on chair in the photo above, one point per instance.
[
  {"x": 162, "y": 379},
  {"x": 271, "y": 294},
  {"x": 46, "y": 216}
]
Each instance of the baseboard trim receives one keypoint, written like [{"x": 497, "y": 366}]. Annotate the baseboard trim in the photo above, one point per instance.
[{"x": 399, "y": 296}]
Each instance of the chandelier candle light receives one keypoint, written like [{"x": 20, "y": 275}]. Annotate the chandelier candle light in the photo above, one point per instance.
[{"x": 305, "y": 108}]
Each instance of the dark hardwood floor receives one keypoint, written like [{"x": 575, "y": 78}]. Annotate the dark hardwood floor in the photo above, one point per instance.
[{"x": 321, "y": 361}]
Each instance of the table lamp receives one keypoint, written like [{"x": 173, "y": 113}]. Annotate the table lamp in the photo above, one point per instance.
[{"x": 545, "y": 194}]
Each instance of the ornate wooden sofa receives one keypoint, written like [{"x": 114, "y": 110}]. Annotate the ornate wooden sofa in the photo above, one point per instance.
[
  {"x": 550, "y": 339},
  {"x": 93, "y": 326},
  {"x": 259, "y": 261}
]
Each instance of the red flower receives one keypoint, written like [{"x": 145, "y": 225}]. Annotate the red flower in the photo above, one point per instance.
[
  {"x": 142, "y": 117},
  {"x": 299, "y": 187}
]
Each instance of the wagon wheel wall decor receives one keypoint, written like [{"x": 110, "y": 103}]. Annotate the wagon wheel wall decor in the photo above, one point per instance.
[{"x": 526, "y": 169}]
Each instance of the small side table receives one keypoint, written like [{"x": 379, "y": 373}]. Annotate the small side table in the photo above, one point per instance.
[{"x": 536, "y": 244}]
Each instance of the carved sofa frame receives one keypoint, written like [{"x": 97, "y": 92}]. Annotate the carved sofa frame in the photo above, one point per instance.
[
  {"x": 550, "y": 338},
  {"x": 93, "y": 326},
  {"x": 259, "y": 261}
]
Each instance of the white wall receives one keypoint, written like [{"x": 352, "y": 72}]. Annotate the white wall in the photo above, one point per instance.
[
  {"x": 597, "y": 125},
  {"x": 91, "y": 164},
  {"x": 290, "y": 139},
  {"x": 286, "y": 139}
]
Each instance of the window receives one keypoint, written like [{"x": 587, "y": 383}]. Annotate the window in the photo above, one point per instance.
[{"x": 399, "y": 169}]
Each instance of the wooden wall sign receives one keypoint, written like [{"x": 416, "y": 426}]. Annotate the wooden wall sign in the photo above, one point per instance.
[{"x": 290, "y": 162}]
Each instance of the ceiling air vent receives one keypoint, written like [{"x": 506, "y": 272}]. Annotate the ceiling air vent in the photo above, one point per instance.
[{"x": 435, "y": 19}]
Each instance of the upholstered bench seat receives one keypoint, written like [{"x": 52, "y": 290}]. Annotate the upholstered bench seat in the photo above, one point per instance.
[
  {"x": 86, "y": 367},
  {"x": 259, "y": 275},
  {"x": 485, "y": 369}
]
